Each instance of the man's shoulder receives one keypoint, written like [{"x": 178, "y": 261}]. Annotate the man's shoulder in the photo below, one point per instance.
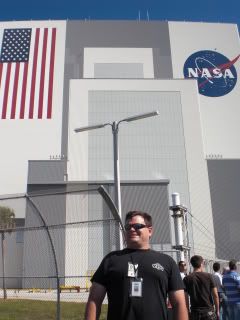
[
  {"x": 123, "y": 252},
  {"x": 217, "y": 281},
  {"x": 231, "y": 275},
  {"x": 236, "y": 276},
  {"x": 189, "y": 277},
  {"x": 112, "y": 254},
  {"x": 216, "y": 277},
  {"x": 217, "y": 274},
  {"x": 150, "y": 254},
  {"x": 201, "y": 275},
  {"x": 226, "y": 275},
  {"x": 207, "y": 274},
  {"x": 162, "y": 256}
]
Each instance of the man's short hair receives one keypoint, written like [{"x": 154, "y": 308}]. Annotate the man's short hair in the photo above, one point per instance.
[
  {"x": 216, "y": 266},
  {"x": 146, "y": 216},
  {"x": 233, "y": 264},
  {"x": 196, "y": 261}
]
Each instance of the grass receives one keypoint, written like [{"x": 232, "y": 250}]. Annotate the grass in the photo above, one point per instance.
[{"x": 42, "y": 310}]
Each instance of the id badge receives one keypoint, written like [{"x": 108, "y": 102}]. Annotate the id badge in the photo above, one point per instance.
[
  {"x": 136, "y": 285},
  {"x": 132, "y": 270}
]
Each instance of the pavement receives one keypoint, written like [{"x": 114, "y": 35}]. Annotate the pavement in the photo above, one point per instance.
[{"x": 47, "y": 295}]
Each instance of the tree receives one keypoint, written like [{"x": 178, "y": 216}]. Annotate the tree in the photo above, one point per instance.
[{"x": 7, "y": 223}]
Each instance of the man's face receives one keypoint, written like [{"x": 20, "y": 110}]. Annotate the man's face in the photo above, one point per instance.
[
  {"x": 183, "y": 267},
  {"x": 137, "y": 238}
]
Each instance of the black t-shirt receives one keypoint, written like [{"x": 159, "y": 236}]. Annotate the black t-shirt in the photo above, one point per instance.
[
  {"x": 160, "y": 275},
  {"x": 199, "y": 287}
]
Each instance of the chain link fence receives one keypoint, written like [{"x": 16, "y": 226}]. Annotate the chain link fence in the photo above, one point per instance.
[
  {"x": 32, "y": 274},
  {"x": 52, "y": 249},
  {"x": 54, "y": 246}
]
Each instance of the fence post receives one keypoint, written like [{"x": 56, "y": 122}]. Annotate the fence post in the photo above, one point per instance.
[
  {"x": 54, "y": 254},
  {"x": 106, "y": 196},
  {"x": 3, "y": 265}
]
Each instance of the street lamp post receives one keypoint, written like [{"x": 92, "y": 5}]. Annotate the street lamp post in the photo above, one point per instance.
[
  {"x": 117, "y": 188},
  {"x": 115, "y": 129}
]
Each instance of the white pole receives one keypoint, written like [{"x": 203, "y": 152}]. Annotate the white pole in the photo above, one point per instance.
[
  {"x": 178, "y": 224},
  {"x": 117, "y": 187}
]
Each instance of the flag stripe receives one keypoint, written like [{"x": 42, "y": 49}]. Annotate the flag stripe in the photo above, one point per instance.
[
  {"x": 10, "y": 91},
  {"x": 42, "y": 76},
  {"x": 24, "y": 88},
  {"x": 51, "y": 72},
  {"x": 5, "y": 97},
  {"x": 33, "y": 82},
  {"x": 1, "y": 67},
  {"x": 15, "y": 88}
]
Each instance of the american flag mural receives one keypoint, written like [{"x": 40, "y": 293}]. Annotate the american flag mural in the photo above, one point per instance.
[{"x": 26, "y": 73}]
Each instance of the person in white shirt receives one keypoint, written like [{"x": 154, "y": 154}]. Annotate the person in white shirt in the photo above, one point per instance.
[
  {"x": 182, "y": 268},
  {"x": 221, "y": 294},
  {"x": 216, "y": 269}
]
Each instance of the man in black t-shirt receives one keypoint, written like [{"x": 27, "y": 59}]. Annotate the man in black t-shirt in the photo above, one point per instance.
[
  {"x": 202, "y": 292},
  {"x": 137, "y": 280}
]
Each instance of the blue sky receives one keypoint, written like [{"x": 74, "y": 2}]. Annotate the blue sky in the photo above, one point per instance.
[{"x": 173, "y": 10}]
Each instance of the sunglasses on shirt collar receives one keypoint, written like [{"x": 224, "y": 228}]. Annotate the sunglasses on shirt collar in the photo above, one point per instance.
[{"x": 135, "y": 226}]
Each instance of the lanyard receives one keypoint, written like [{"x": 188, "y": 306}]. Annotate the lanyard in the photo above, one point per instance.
[{"x": 136, "y": 265}]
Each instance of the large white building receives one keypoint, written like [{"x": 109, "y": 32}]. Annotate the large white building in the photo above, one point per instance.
[{"x": 59, "y": 75}]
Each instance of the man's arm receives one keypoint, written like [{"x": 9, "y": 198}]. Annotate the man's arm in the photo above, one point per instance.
[
  {"x": 216, "y": 300},
  {"x": 178, "y": 302},
  {"x": 186, "y": 295},
  {"x": 238, "y": 281},
  {"x": 187, "y": 301},
  {"x": 95, "y": 299}
]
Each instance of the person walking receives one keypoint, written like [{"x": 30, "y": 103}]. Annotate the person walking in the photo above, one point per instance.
[
  {"x": 202, "y": 291},
  {"x": 182, "y": 268},
  {"x": 223, "y": 312},
  {"x": 231, "y": 284},
  {"x": 137, "y": 280}
]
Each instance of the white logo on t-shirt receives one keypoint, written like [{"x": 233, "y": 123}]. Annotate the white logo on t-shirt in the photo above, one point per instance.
[{"x": 158, "y": 266}]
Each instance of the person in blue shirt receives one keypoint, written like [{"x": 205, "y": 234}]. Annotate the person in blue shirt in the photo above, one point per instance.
[{"x": 231, "y": 284}]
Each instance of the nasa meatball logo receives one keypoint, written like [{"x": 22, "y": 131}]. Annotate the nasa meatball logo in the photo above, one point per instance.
[{"x": 215, "y": 73}]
